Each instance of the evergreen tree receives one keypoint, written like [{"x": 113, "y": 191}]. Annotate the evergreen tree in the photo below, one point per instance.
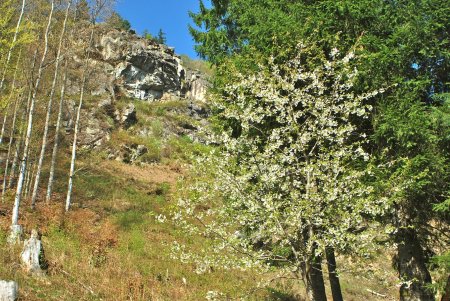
[
  {"x": 402, "y": 48},
  {"x": 161, "y": 37}
]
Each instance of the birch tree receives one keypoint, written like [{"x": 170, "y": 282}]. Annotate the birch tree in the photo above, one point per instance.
[
  {"x": 13, "y": 127},
  {"x": 76, "y": 128},
  {"x": 15, "y": 228},
  {"x": 56, "y": 142},
  {"x": 23, "y": 119},
  {"x": 49, "y": 108},
  {"x": 13, "y": 44},
  {"x": 99, "y": 8}
]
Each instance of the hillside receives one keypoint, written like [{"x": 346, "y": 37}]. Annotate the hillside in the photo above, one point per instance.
[
  {"x": 304, "y": 157},
  {"x": 111, "y": 246},
  {"x": 141, "y": 128}
]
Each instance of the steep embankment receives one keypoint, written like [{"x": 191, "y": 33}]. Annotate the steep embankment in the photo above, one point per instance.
[{"x": 141, "y": 129}]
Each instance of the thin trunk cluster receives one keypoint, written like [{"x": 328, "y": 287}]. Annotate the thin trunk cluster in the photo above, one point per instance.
[
  {"x": 49, "y": 110},
  {"x": 24, "y": 164}
]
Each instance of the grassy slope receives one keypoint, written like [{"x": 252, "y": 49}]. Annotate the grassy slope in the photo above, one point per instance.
[{"x": 110, "y": 246}]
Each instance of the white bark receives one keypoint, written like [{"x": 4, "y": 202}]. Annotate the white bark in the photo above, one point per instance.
[
  {"x": 11, "y": 138},
  {"x": 31, "y": 169},
  {"x": 22, "y": 133},
  {"x": 77, "y": 124},
  {"x": 11, "y": 48},
  {"x": 5, "y": 117},
  {"x": 13, "y": 127},
  {"x": 56, "y": 143},
  {"x": 15, "y": 215},
  {"x": 49, "y": 110},
  {"x": 17, "y": 148}
]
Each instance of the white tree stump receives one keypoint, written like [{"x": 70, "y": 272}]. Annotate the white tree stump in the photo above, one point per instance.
[
  {"x": 9, "y": 290},
  {"x": 32, "y": 256}
]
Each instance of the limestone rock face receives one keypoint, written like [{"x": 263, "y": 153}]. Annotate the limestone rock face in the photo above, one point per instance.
[
  {"x": 141, "y": 69},
  {"x": 9, "y": 290},
  {"x": 94, "y": 130},
  {"x": 32, "y": 256},
  {"x": 196, "y": 86},
  {"x": 123, "y": 65}
]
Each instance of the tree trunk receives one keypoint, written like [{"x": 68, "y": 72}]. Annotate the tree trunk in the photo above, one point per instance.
[
  {"x": 77, "y": 124},
  {"x": 313, "y": 278},
  {"x": 49, "y": 110},
  {"x": 11, "y": 141},
  {"x": 334, "y": 278},
  {"x": 31, "y": 171},
  {"x": 412, "y": 267},
  {"x": 56, "y": 143},
  {"x": 17, "y": 147},
  {"x": 13, "y": 44},
  {"x": 5, "y": 117},
  {"x": 22, "y": 133},
  {"x": 12, "y": 130},
  {"x": 20, "y": 182}
]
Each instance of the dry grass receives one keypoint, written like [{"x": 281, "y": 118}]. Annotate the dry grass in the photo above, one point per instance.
[{"x": 110, "y": 247}]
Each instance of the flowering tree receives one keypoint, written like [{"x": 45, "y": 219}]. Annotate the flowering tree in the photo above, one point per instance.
[{"x": 287, "y": 178}]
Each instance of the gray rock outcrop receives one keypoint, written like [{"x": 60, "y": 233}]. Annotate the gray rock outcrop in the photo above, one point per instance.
[
  {"x": 131, "y": 153},
  {"x": 9, "y": 290},
  {"x": 196, "y": 86},
  {"x": 128, "y": 116},
  {"x": 141, "y": 69}
]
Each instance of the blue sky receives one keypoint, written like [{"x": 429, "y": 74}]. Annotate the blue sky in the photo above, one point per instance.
[{"x": 170, "y": 15}]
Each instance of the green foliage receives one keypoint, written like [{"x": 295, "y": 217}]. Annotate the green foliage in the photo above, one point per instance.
[
  {"x": 160, "y": 37},
  {"x": 147, "y": 35},
  {"x": 82, "y": 10},
  {"x": 394, "y": 38},
  {"x": 403, "y": 45},
  {"x": 442, "y": 265}
]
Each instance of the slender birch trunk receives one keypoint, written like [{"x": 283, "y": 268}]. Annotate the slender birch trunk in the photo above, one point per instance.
[
  {"x": 29, "y": 177},
  {"x": 77, "y": 124},
  {"x": 10, "y": 146},
  {"x": 56, "y": 143},
  {"x": 25, "y": 113},
  {"x": 12, "y": 173},
  {"x": 20, "y": 182},
  {"x": 11, "y": 48},
  {"x": 13, "y": 128},
  {"x": 49, "y": 110},
  {"x": 5, "y": 117}
]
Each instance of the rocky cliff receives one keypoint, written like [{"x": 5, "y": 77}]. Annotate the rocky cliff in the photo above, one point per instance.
[
  {"x": 140, "y": 68},
  {"x": 124, "y": 69}
]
